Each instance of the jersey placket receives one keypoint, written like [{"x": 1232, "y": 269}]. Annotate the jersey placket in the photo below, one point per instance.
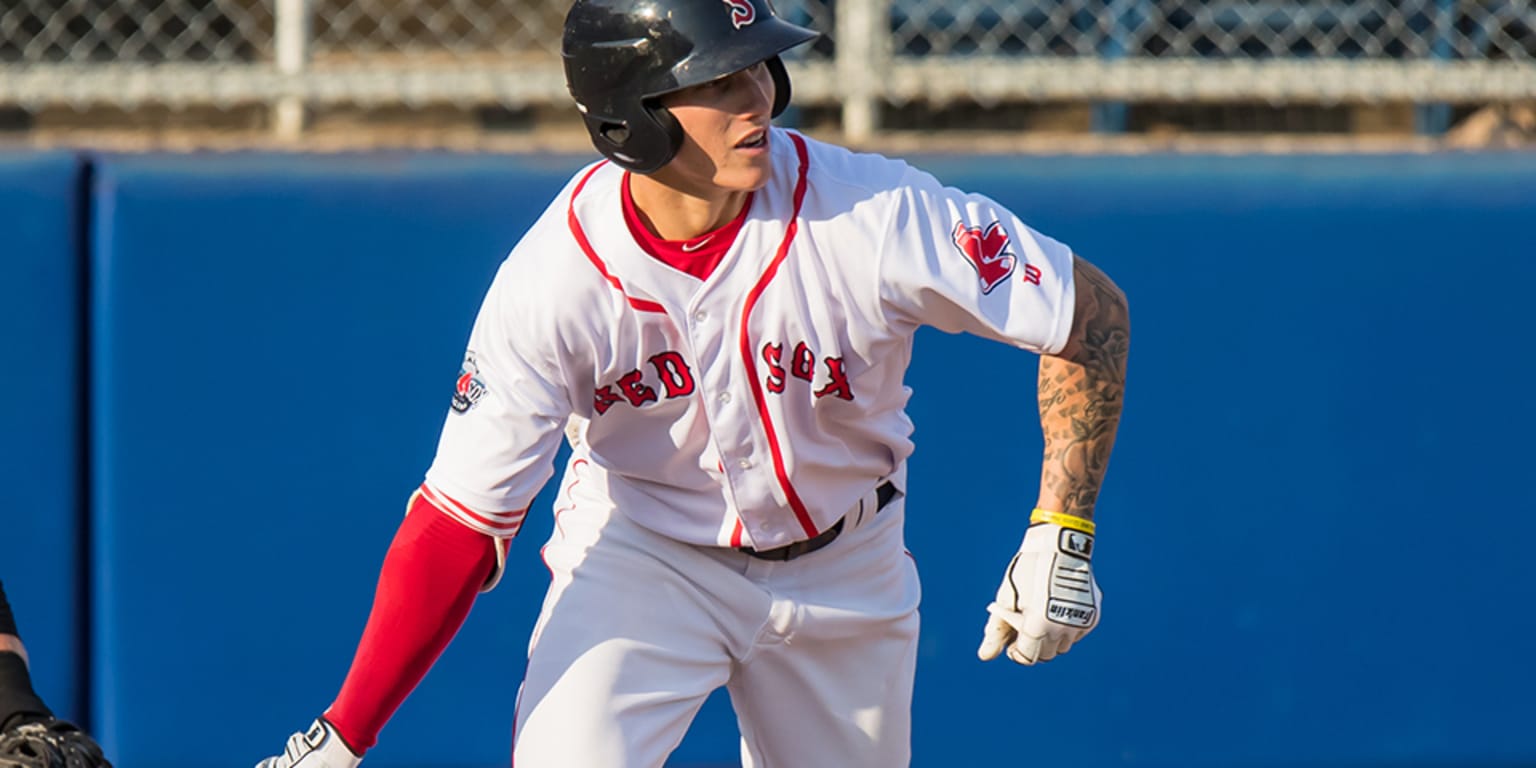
[
  {"x": 734, "y": 398},
  {"x": 736, "y": 428},
  {"x": 707, "y": 318}
]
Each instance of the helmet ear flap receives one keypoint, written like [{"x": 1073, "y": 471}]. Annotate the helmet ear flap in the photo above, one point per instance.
[
  {"x": 780, "y": 85},
  {"x": 642, "y": 145},
  {"x": 653, "y": 136},
  {"x": 669, "y": 128}
]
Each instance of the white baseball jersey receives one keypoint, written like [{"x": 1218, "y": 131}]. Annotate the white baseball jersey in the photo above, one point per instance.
[{"x": 756, "y": 406}]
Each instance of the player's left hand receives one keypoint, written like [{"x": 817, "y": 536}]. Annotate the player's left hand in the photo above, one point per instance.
[{"x": 1048, "y": 599}]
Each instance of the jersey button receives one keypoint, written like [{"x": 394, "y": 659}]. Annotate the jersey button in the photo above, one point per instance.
[
  {"x": 744, "y": 463},
  {"x": 700, "y": 316},
  {"x": 725, "y": 397}
]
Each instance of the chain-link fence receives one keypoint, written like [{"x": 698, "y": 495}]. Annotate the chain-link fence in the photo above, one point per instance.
[
  {"x": 283, "y": 56},
  {"x": 1246, "y": 29}
]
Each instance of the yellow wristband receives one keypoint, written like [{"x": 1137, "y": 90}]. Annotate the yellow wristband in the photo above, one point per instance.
[{"x": 1062, "y": 519}]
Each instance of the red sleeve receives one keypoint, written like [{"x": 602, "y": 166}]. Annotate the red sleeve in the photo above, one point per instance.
[{"x": 429, "y": 580}]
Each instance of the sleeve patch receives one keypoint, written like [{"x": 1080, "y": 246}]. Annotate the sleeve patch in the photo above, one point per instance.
[
  {"x": 987, "y": 249},
  {"x": 469, "y": 388}
]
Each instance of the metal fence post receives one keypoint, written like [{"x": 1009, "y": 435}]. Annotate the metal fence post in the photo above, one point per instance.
[
  {"x": 1110, "y": 116},
  {"x": 862, "y": 57},
  {"x": 1434, "y": 119},
  {"x": 291, "y": 41}
]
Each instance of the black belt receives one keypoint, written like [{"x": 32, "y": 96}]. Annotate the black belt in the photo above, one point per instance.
[{"x": 883, "y": 494}]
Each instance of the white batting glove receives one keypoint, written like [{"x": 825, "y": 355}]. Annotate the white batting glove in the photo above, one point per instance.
[
  {"x": 1048, "y": 599},
  {"x": 318, "y": 747}
]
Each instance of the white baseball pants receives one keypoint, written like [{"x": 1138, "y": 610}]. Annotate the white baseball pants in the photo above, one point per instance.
[{"x": 637, "y": 629}]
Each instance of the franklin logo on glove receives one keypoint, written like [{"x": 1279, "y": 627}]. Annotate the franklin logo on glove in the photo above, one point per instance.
[{"x": 1068, "y": 613}]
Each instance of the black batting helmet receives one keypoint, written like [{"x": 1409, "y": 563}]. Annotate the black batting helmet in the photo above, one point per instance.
[{"x": 621, "y": 55}]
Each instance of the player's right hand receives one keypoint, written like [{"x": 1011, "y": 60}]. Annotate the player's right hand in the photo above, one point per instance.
[{"x": 318, "y": 747}]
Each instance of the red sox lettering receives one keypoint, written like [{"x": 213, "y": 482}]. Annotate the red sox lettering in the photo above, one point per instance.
[
  {"x": 802, "y": 365},
  {"x": 672, "y": 373},
  {"x": 669, "y": 376}
]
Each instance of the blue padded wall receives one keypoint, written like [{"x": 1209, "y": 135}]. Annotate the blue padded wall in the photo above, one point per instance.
[
  {"x": 41, "y": 393},
  {"x": 276, "y": 345},
  {"x": 1311, "y": 535}
]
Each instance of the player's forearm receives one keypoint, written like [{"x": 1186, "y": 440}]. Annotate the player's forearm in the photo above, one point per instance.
[
  {"x": 1081, "y": 393},
  {"x": 426, "y": 587}
]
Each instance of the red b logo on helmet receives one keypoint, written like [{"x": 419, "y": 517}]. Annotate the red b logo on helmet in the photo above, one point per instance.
[{"x": 742, "y": 12}]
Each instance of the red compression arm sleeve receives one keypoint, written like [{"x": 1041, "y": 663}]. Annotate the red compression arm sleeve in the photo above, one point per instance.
[{"x": 431, "y": 574}]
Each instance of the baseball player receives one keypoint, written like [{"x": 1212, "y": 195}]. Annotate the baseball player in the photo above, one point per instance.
[
  {"x": 717, "y": 316},
  {"x": 30, "y": 736}
]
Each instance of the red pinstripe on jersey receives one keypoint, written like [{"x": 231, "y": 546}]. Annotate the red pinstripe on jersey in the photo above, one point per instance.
[
  {"x": 586, "y": 247},
  {"x": 500, "y": 524},
  {"x": 746, "y": 344}
]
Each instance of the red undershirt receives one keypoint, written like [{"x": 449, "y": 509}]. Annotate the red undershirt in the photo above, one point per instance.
[{"x": 697, "y": 256}]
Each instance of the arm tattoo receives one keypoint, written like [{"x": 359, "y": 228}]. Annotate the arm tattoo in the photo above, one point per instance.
[{"x": 1081, "y": 392}]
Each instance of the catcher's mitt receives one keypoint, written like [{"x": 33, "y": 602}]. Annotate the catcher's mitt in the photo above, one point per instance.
[{"x": 50, "y": 744}]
